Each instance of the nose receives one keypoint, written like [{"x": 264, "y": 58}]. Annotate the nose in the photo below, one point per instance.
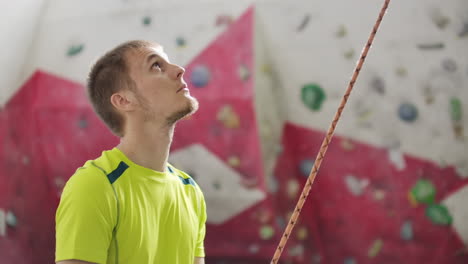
[{"x": 178, "y": 71}]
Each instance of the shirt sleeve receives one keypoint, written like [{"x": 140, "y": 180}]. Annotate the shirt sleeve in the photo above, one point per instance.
[
  {"x": 200, "y": 249},
  {"x": 86, "y": 217}
]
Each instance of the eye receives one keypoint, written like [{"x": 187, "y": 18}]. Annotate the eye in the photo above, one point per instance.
[{"x": 156, "y": 65}]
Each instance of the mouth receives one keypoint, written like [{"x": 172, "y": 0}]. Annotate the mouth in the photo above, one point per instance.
[{"x": 183, "y": 88}]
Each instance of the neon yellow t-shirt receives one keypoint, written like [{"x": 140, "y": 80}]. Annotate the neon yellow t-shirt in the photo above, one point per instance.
[{"x": 115, "y": 211}]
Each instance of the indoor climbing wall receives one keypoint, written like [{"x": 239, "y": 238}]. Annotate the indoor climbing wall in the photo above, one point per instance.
[
  {"x": 269, "y": 76},
  {"x": 393, "y": 183},
  {"x": 45, "y": 138},
  {"x": 57, "y": 131}
]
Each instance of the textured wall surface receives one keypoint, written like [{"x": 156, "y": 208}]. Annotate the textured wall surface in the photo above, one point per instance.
[
  {"x": 269, "y": 76},
  {"x": 19, "y": 23}
]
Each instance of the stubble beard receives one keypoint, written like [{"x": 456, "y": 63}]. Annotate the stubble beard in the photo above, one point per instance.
[{"x": 190, "y": 108}]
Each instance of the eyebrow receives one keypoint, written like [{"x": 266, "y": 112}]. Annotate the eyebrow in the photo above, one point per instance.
[{"x": 152, "y": 56}]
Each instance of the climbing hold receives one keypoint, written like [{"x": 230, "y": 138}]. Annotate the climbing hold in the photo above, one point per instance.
[
  {"x": 379, "y": 195},
  {"x": 254, "y": 248},
  {"x": 306, "y": 166},
  {"x": 424, "y": 191},
  {"x": 228, "y": 117},
  {"x": 378, "y": 85},
  {"x": 349, "y": 54},
  {"x": 461, "y": 168},
  {"x": 396, "y": 158},
  {"x": 10, "y": 219},
  {"x": 280, "y": 222},
  {"x": 234, "y": 161},
  {"x": 304, "y": 23},
  {"x": 266, "y": 232},
  {"x": 439, "y": 214},
  {"x": 464, "y": 31},
  {"x": 456, "y": 109},
  {"x": 296, "y": 250},
  {"x": 59, "y": 182},
  {"x": 243, "y": 72},
  {"x": 216, "y": 185},
  {"x": 355, "y": 186},
  {"x": 272, "y": 185},
  {"x": 341, "y": 32},
  {"x": 82, "y": 123},
  {"x": 431, "y": 46},
  {"x": 224, "y": 20},
  {"x": 75, "y": 49},
  {"x": 349, "y": 260},
  {"x": 266, "y": 69},
  {"x": 180, "y": 41},
  {"x": 449, "y": 65},
  {"x": 375, "y": 248},
  {"x": 408, "y": 112},
  {"x": 292, "y": 188},
  {"x": 411, "y": 199},
  {"x": 401, "y": 71},
  {"x": 249, "y": 182},
  {"x": 347, "y": 144},
  {"x": 440, "y": 20},
  {"x": 301, "y": 233},
  {"x": 406, "y": 231},
  {"x": 200, "y": 76},
  {"x": 313, "y": 96},
  {"x": 146, "y": 21},
  {"x": 264, "y": 216}
]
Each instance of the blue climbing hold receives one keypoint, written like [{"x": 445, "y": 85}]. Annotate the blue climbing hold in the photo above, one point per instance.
[
  {"x": 408, "y": 112},
  {"x": 180, "y": 41},
  {"x": 406, "y": 231},
  {"x": 200, "y": 76},
  {"x": 306, "y": 166}
]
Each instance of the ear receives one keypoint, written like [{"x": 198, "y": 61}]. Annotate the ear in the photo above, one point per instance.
[{"x": 123, "y": 101}]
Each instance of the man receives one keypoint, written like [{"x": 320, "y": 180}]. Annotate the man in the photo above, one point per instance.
[{"x": 130, "y": 206}]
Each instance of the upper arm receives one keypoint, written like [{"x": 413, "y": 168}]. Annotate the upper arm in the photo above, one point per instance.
[
  {"x": 85, "y": 219},
  {"x": 200, "y": 249}
]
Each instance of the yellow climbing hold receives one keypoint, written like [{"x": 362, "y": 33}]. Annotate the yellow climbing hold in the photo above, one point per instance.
[{"x": 228, "y": 117}]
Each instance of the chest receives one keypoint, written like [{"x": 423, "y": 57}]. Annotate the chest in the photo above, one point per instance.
[{"x": 158, "y": 215}]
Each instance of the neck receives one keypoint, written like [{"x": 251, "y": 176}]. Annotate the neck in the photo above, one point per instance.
[{"x": 148, "y": 146}]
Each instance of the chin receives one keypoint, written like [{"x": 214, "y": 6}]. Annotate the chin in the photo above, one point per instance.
[{"x": 189, "y": 109}]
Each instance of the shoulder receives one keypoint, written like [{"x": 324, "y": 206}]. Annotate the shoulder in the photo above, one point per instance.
[
  {"x": 87, "y": 192},
  {"x": 99, "y": 172},
  {"x": 185, "y": 177},
  {"x": 89, "y": 174},
  {"x": 90, "y": 179}
]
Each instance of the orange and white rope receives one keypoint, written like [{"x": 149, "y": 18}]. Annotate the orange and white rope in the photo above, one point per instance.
[{"x": 326, "y": 141}]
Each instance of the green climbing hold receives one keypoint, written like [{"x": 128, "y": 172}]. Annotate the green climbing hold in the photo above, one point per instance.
[
  {"x": 424, "y": 191},
  {"x": 375, "y": 248},
  {"x": 146, "y": 20},
  {"x": 456, "y": 109},
  {"x": 266, "y": 232},
  {"x": 74, "y": 50},
  {"x": 439, "y": 214},
  {"x": 313, "y": 96}
]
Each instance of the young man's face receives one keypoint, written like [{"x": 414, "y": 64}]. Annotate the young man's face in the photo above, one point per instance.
[{"x": 161, "y": 90}]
